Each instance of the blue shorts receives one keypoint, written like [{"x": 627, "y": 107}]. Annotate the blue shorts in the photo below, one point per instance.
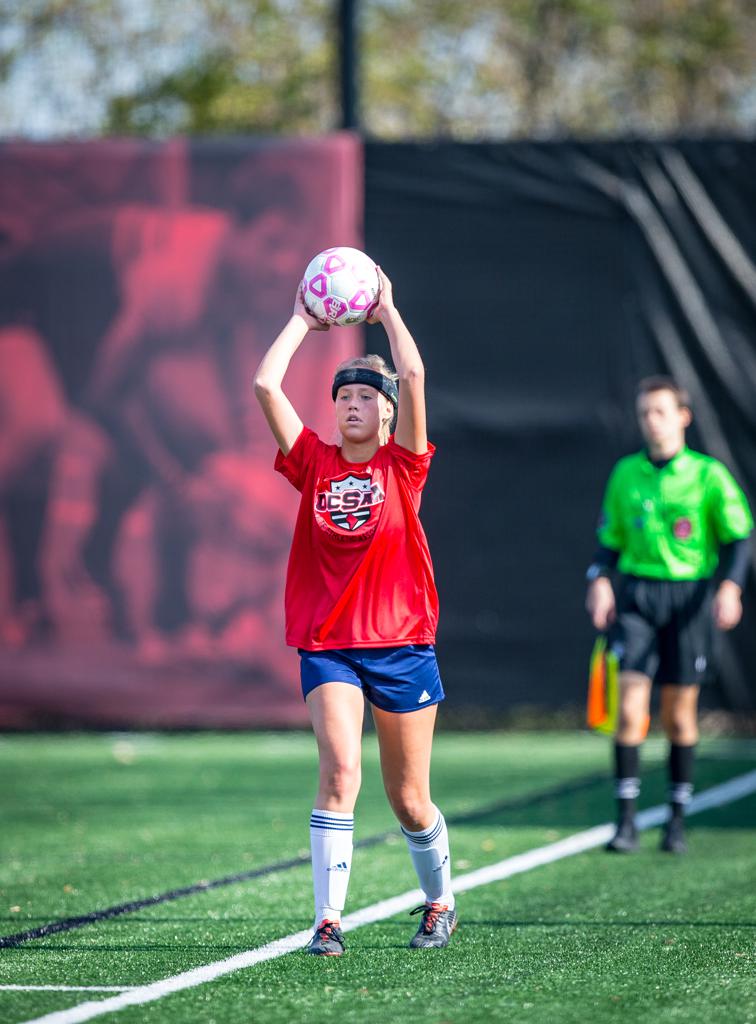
[{"x": 393, "y": 678}]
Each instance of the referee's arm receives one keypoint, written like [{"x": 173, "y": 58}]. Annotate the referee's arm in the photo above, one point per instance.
[
  {"x": 600, "y": 601},
  {"x": 727, "y": 607},
  {"x": 732, "y": 522}
]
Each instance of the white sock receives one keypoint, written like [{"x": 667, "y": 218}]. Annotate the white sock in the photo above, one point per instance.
[
  {"x": 331, "y": 845},
  {"x": 432, "y": 861}
]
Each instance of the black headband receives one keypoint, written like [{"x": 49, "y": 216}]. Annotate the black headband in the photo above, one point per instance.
[{"x": 362, "y": 375}]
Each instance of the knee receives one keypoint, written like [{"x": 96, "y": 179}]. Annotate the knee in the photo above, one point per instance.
[
  {"x": 340, "y": 779},
  {"x": 633, "y": 710},
  {"x": 631, "y": 729},
  {"x": 412, "y": 808},
  {"x": 680, "y": 726}
]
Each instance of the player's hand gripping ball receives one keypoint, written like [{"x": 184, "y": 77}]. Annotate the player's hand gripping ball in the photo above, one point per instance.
[{"x": 340, "y": 286}]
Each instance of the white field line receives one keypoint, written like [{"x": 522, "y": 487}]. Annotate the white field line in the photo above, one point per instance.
[
  {"x": 66, "y": 988},
  {"x": 725, "y": 793}
]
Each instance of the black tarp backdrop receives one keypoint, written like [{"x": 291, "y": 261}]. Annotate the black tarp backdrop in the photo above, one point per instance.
[{"x": 542, "y": 281}]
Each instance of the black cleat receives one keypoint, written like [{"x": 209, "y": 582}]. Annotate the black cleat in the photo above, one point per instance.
[
  {"x": 673, "y": 837},
  {"x": 328, "y": 940},
  {"x": 436, "y": 927},
  {"x": 625, "y": 839}
]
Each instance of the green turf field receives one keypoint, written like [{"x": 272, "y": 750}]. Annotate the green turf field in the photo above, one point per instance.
[{"x": 93, "y": 821}]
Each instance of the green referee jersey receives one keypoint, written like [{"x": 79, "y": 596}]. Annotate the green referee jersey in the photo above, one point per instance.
[{"x": 668, "y": 523}]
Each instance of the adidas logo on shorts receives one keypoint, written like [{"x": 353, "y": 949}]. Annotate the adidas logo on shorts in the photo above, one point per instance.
[
  {"x": 423, "y": 697},
  {"x": 341, "y": 866}
]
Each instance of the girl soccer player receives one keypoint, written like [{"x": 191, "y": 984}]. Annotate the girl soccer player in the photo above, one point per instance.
[{"x": 362, "y": 608}]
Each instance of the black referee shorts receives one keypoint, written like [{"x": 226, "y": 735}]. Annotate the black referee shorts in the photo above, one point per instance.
[{"x": 664, "y": 629}]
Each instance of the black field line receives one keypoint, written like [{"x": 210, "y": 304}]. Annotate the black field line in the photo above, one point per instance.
[
  {"x": 68, "y": 924},
  {"x": 580, "y": 842}
]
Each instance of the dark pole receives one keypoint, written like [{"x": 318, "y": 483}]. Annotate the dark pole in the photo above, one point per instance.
[{"x": 348, "y": 67}]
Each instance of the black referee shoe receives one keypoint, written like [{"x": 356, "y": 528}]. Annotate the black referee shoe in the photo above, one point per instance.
[
  {"x": 625, "y": 839},
  {"x": 673, "y": 837}
]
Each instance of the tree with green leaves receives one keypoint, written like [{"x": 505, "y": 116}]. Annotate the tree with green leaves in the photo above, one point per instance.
[{"x": 483, "y": 69}]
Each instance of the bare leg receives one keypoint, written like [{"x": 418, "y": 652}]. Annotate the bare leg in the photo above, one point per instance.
[
  {"x": 405, "y": 741},
  {"x": 635, "y": 699},
  {"x": 679, "y": 714},
  {"x": 336, "y": 710}
]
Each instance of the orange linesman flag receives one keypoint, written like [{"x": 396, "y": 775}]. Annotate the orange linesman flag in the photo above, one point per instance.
[
  {"x": 602, "y": 710},
  {"x": 603, "y": 689}
]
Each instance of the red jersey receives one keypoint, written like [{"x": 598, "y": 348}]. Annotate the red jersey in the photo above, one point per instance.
[{"x": 360, "y": 573}]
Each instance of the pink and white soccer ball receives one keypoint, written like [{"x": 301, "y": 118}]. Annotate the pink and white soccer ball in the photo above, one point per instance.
[{"x": 340, "y": 286}]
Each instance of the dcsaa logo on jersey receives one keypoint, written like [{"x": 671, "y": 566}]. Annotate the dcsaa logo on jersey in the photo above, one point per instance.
[{"x": 349, "y": 501}]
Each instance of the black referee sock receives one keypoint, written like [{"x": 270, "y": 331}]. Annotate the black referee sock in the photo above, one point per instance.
[
  {"x": 626, "y": 779},
  {"x": 681, "y": 761}
]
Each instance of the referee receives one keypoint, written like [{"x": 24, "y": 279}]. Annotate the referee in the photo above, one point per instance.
[{"x": 669, "y": 516}]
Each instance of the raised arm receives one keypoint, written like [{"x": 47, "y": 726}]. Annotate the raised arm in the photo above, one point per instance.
[
  {"x": 281, "y": 415},
  {"x": 411, "y": 430}
]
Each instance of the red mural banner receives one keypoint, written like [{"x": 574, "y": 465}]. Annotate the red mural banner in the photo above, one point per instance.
[{"x": 143, "y": 532}]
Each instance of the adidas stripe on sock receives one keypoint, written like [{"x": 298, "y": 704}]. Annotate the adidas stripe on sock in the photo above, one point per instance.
[
  {"x": 431, "y": 859},
  {"x": 331, "y": 835}
]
